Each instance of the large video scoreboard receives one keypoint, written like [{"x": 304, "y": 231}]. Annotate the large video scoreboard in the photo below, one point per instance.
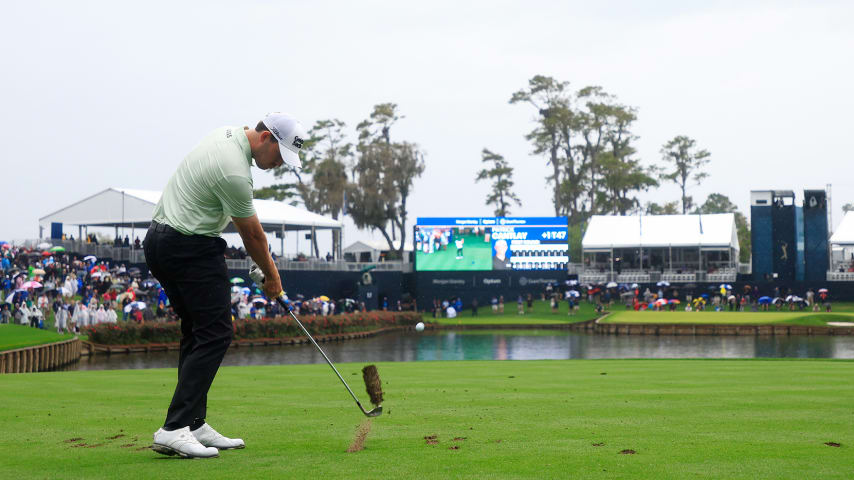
[{"x": 491, "y": 243}]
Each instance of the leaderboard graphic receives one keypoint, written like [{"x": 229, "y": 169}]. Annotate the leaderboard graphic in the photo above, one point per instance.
[{"x": 491, "y": 243}]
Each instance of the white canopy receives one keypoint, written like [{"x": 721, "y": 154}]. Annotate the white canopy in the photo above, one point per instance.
[
  {"x": 713, "y": 231},
  {"x": 844, "y": 234},
  {"x": 126, "y": 207}
]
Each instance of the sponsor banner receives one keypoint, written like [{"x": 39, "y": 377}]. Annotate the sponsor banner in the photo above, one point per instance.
[{"x": 448, "y": 281}]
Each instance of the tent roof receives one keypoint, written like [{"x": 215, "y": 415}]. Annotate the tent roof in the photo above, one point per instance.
[
  {"x": 126, "y": 207},
  {"x": 844, "y": 234},
  {"x": 377, "y": 245},
  {"x": 713, "y": 230}
]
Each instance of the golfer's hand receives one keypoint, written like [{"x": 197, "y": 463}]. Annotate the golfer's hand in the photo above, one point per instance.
[{"x": 271, "y": 290}]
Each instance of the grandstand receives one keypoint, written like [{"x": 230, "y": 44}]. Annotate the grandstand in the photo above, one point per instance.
[{"x": 649, "y": 249}]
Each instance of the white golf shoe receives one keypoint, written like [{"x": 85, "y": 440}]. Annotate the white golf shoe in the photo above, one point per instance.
[
  {"x": 209, "y": 437},
  {"x": 181, "y": 442}
]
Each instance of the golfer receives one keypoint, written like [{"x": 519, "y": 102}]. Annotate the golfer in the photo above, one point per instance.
[{"x": 184, "y": 251}]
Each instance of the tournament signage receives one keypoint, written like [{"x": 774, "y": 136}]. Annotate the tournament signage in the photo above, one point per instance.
[{"x": 491, "y": 243}]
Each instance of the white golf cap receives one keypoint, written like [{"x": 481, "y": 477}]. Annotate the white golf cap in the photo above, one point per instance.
[{"x": 290, "y": 134}]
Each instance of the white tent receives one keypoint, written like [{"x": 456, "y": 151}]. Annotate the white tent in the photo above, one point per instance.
[
  {"x": 373, "y": 249},
  {"x": 124, "y": 207},
  {"x": 844, "y": 234},
  {"x": 673, "y": 242},
  {"x": 130, "y": 208},
  {"x": 707, "y": 231}
]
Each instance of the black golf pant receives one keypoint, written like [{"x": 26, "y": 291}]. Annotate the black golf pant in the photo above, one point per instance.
[{"x": 192, "y": 271}]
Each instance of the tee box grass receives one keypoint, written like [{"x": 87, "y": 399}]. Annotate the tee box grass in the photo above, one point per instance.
[{"x": 634, "y": 419}]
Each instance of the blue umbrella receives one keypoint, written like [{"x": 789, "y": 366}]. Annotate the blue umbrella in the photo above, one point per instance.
[
  {"x": 764, "y": 300},
  {"x": 705, "y": 295}
]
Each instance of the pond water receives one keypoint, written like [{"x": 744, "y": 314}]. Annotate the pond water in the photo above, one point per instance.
[{"x": 504, "y": 345}]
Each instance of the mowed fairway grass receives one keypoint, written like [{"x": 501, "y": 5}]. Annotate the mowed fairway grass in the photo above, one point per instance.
[
  {"x": 742, "y": 318},
  {"x": 742, "y": 419},
  {"x": 541, "y": 314},
  {"x": 20, "y": 336}
]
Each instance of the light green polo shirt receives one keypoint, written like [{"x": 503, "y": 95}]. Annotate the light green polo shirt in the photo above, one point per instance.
[{"x": 212, "y": 184}]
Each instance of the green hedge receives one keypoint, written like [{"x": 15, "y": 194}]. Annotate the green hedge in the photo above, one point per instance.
[{"x": 130, "y": 333}]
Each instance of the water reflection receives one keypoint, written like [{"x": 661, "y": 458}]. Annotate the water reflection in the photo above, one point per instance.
[{"x": 506, "y": 345}]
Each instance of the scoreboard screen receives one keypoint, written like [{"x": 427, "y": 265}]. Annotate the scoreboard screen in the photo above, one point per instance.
[{"x": 491, "y": 243}]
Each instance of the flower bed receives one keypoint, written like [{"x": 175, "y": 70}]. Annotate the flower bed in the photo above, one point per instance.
[{"x": 130, "y": 333}]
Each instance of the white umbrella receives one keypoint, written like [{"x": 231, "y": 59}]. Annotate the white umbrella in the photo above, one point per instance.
[
  {"x": 96, "y": 274},
  {"x": 131, "y": 305},
  {"x": 573, "y": 293},
  {"x": 663, "y": 284},
  {"x": 90, "y": 257},
  {"x": 611, "y": 285},
  {"x": 44, "y": 246},
  {"x": 634, "y": 285},
  {"x": 259, "y": 300}
]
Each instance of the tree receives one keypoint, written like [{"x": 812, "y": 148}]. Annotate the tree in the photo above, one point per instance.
[
  {"x": 669, "y": 208},
  {"x": 685, "y": 163},
  {"x": 385, "y": 173},
  {"x": 587, "y": 139},
  {"x": 501, "y": 190},
  {"x": 719, "y": 203},
  {"x": 551, "y": 100}
]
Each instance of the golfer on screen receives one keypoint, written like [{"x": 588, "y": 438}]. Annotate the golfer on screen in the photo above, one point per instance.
[{"x": 184, "y": 251}]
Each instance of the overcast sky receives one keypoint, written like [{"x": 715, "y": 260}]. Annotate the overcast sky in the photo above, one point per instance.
[{"x": 100, "y": 94}]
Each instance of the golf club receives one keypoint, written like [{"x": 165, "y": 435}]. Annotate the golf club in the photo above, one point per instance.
[
  {"x": 258, "y": 276},
  {"x": 377, "y": 411}
]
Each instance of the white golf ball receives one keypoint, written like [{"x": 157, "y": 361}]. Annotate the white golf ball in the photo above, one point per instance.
[{"x": 419, "y": 327}]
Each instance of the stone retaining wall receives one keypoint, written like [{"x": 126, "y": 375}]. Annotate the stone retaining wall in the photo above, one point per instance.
[{"x": 40, "y": 358}]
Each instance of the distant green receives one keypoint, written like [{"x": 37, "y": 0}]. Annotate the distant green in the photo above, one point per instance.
[
  {"x": 20, "y": 336},
  {"x": 540, "y": 314},
  {"x": 708, "y": 419},
  {"x": 734, "y": 318}
]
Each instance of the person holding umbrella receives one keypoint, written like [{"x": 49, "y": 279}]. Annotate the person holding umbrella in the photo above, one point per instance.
[{"x": 184, "y": 251}]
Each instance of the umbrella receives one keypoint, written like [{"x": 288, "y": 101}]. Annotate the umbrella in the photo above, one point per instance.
[
  {"x": 790, "y": 298},
  {"x": 611, "y": 285},
  {"x": 130, "y": 306},
  {"x": 237, "y": 280},
  {"x": 674, "y": 301},
  {"x": 634, "y": 285},
  {"x": 246, "y": 290},
  {"x": 96, "y": 274},
  {"x": 661, "y": 301},
  {"x": 132, "y": 270},
  {"x": 46, "y": 253},
  {"x": 731, "y": 297},
  {"x": 235, "y": 289},
  {"x": 764, "y": 300},
  {"x": 57, "y": 249},
  {"x": 90, "y": 258},
  {"x": 259, "y": 300},
  {"x": 822, "y": 290},
  {"x": 31, "y": 284},
  {"x": 726, "y": 286},
  {"x": 44, "y": 246},
  {"x": 663, "y": 284},
  {"x": 574, "y": 293},
  {"x": 777, "y": 300},
  {"x": 10, "y": 297},
  {"x": 572, "y": 282},
  {"x": 705, "y": 296},
  {"x": 324, "y": 298},
  {"x": 38, "y": 271}
]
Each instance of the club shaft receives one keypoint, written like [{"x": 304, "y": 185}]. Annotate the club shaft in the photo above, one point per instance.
[{"x": 301, "y": 326}]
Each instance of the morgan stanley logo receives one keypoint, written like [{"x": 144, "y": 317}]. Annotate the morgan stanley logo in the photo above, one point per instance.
[{"x": 297, "y": 142}]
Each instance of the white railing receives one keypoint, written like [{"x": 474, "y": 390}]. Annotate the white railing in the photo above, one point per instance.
[
  {"x": 633, "y": 278},
  {"x": 673, "y": 277},
  {"x": 840, "y": 276}
]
